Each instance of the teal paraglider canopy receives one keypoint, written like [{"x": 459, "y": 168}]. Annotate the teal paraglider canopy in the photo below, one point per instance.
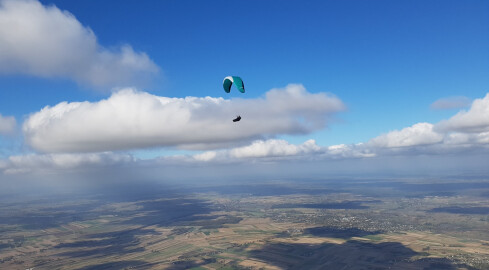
[{"x": 230, "y": 80}]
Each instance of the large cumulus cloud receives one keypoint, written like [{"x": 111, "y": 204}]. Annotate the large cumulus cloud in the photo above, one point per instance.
[
  {"x": 131, "y": 119},
  {"x": 418, "y": 134},
  {"x": 475, "y": 120},
  {"x": 47, "y": 42}
]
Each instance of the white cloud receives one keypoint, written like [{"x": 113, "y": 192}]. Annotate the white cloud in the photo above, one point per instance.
[
  {"x": 470, "y": 139},
  {"x": 451, "y": 103},
  {"x": 277, "y": 149},
  {"x": 418, "y": 134},
  {"x": 47, "y": 42},
  {"x": 274, "y": 148},
  {"x": 7, "y": 124},
  {"x": 465, "y": 131},
  {"x": 130, "y": 119},
  {"x": 475, "y": 120},
  {"x": 206, "y": 156},
  {"x": 349, "y": 151},
  {"x": 129, "y": 112},
  {"x": 135, "y": 117}
]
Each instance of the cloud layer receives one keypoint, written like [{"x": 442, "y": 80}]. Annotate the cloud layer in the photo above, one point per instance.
[
  {"x": 276, "y": 150},
  {"x": 130, "y": 119},
  {"x": 47, "y": 42},
  {"x": 56, "y": 162},
  {"x": 465, "y": 132}
]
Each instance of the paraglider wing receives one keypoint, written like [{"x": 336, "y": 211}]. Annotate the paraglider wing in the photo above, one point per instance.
[{"x": 228, "y": 82}]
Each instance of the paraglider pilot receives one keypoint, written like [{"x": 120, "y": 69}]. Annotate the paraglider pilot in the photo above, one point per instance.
[{"x": 238, "y": 82}]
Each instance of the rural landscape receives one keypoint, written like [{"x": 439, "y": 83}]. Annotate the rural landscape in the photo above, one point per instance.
[
  {"x": 349, "y": 224},
  {"x": 246, "y": 135}
]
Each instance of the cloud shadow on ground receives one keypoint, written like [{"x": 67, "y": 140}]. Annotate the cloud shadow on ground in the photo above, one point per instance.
[
  {"x": 352, "y": 254},
  {"x": 471, "y": 210},
  {"x": 337, "y": 232},
  {"x": 119, "y": 265},
  {"x": 335, "y": 205},
  {"x": 106, "y": 244}
]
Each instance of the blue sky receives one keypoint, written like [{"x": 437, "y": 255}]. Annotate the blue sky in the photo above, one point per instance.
[{"x": 386, "y": 62}]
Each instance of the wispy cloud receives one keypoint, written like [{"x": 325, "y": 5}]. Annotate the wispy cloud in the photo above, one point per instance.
[
  {"x": 130, "y": 119},
  {"x": 449, "y": 103},
  {"x": 7, "y": 125},
  {"x": 48, "y": 42}
]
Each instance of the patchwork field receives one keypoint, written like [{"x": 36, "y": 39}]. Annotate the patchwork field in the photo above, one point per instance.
[{"x": 326, "y": 226}]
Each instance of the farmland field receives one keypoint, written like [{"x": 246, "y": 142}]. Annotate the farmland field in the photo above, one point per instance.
[{"x": 276, "y": 225}]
